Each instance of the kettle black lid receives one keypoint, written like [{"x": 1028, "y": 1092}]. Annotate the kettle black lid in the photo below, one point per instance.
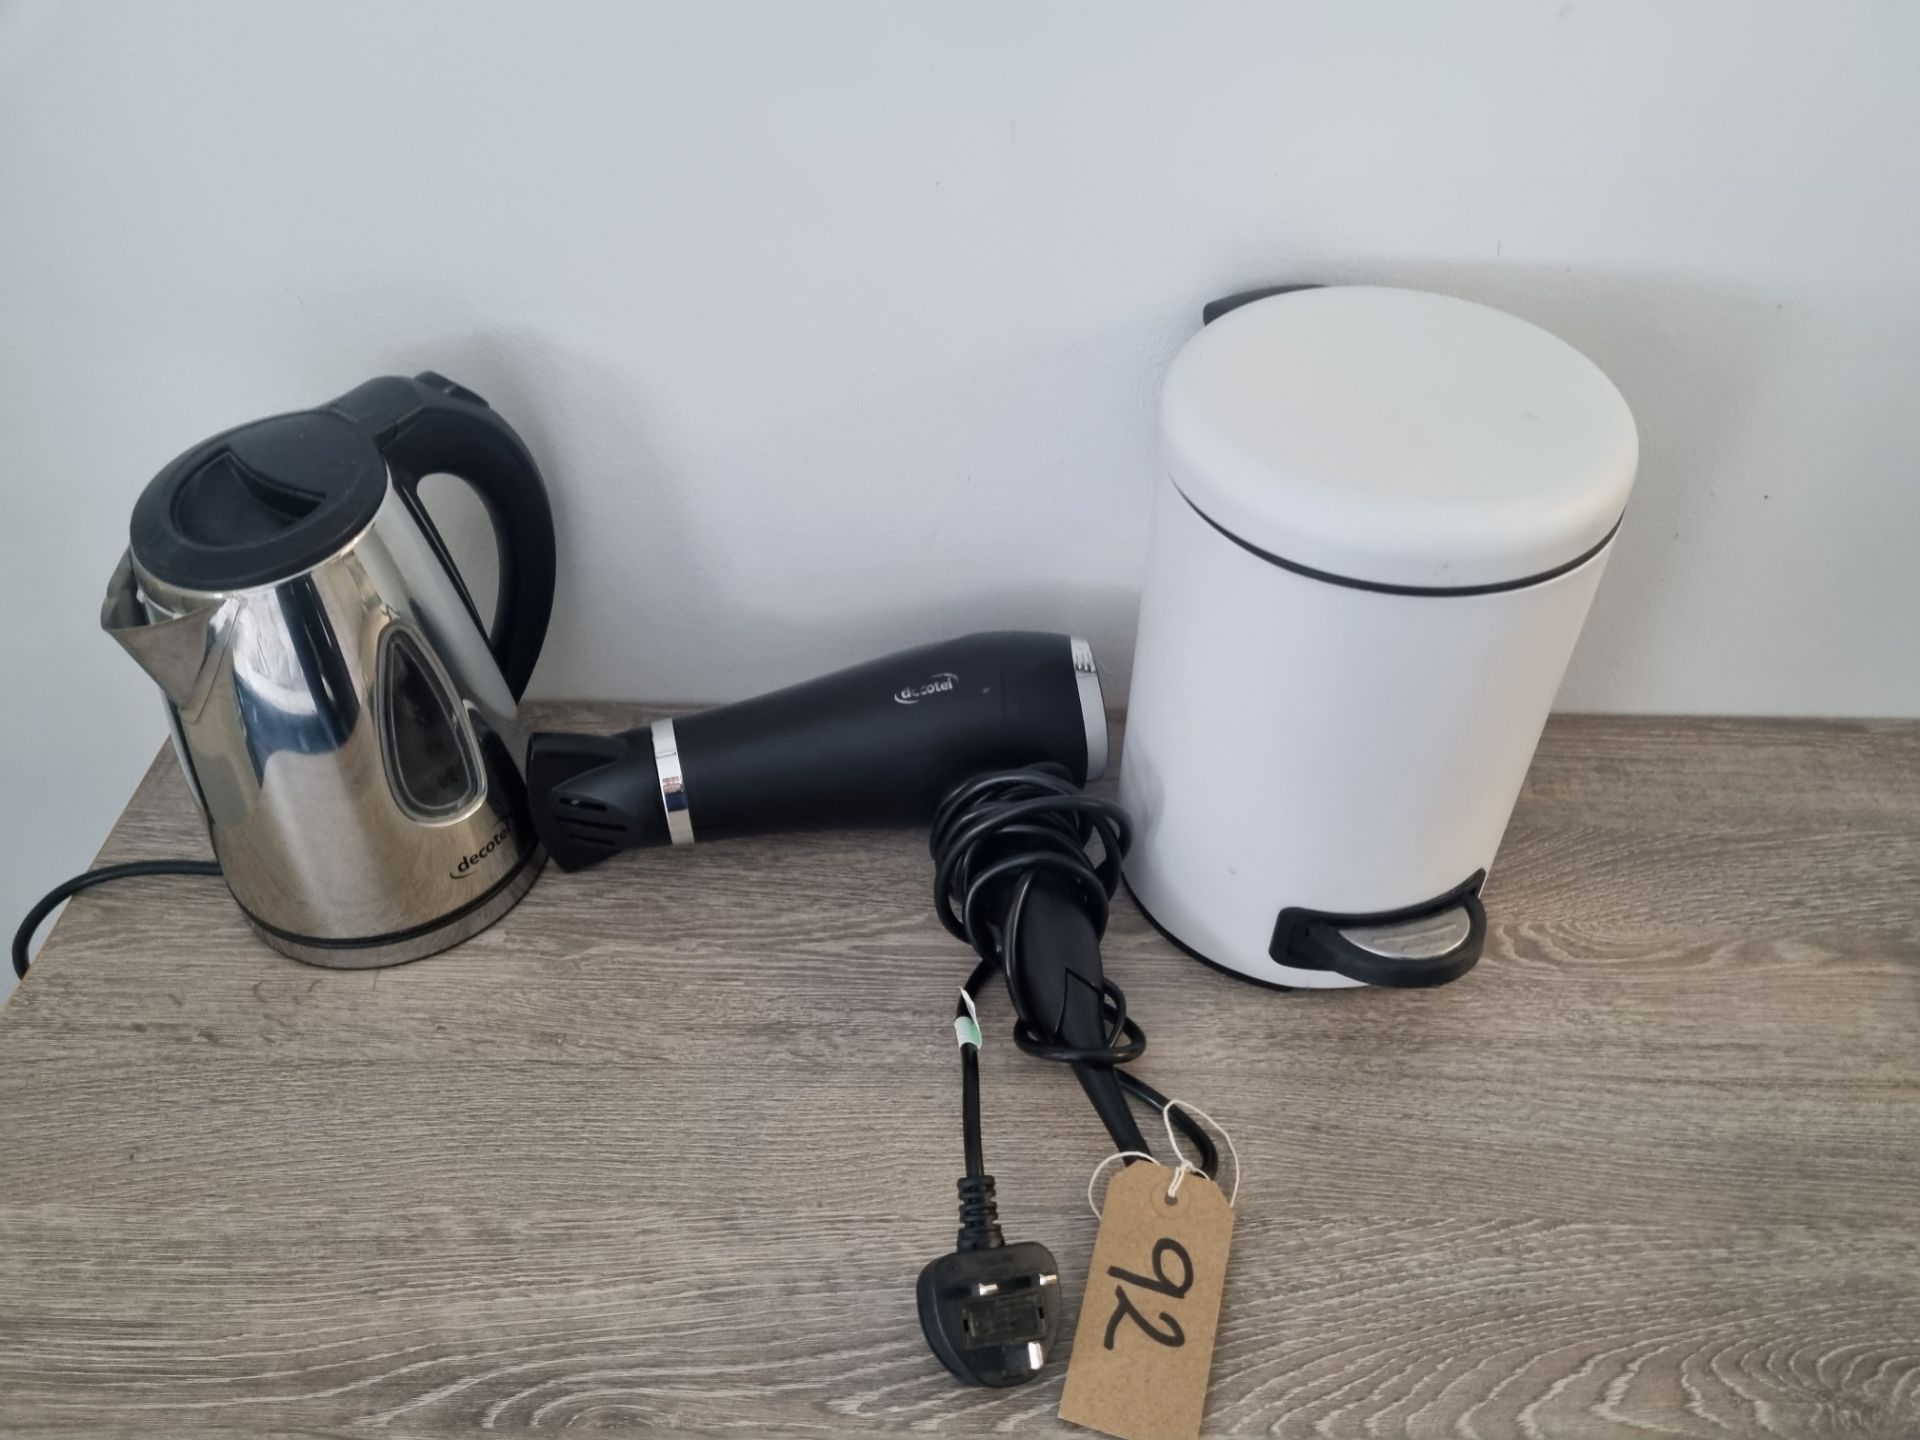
[{"x": 269, "y": 499}]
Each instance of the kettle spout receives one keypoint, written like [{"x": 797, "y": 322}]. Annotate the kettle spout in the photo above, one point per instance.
[{"x": 176, "y": 650}]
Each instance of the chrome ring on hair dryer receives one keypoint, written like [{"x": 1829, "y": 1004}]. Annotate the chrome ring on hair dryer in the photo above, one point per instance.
[
  {"x": 673, "y": 785},
  {"x": 877, "y": 744}
]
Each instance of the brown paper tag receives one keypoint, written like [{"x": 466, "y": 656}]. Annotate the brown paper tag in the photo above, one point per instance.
[{"x": 1144, "y": 1344}]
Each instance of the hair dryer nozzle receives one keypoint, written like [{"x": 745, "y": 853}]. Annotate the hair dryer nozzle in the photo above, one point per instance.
[{"x": 593, "y": 795}]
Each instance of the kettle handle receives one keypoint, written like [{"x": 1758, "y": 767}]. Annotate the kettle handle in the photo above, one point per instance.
[{"x": 444, "y": 428}]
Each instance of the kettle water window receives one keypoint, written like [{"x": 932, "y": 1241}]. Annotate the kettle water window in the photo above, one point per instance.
[{"x": 429, "y": 753}]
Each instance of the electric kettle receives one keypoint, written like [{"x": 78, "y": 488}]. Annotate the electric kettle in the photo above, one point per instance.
[{"x": 347, "y": 723}]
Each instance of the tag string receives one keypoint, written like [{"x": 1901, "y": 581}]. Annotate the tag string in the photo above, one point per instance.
[
  {"x": 1100, "y": 1169},
  {"x": 1186, "y": 1167},
  {"x": 1182, "y": 1168}
]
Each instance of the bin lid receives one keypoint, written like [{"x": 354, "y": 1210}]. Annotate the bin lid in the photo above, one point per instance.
[{"x": 1398, "y": 440}]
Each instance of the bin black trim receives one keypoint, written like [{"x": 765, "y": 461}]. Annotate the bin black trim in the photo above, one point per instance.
[{"x": 1385, "y": 589}]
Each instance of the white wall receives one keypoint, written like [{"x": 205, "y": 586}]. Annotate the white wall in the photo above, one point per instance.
[{"x": 837, "y": 326}]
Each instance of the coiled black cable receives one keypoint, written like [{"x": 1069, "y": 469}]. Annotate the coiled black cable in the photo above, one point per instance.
[{"x": 999, "y": 841}]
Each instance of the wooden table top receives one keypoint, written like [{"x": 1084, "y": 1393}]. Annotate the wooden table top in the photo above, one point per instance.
[{"x": 666, "y": 1147}]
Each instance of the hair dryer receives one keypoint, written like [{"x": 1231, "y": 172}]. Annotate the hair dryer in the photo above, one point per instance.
[{"x": 876, "y": 744}]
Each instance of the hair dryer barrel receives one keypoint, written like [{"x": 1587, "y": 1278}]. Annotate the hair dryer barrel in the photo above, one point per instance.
[{"x": 876, "y": 744}]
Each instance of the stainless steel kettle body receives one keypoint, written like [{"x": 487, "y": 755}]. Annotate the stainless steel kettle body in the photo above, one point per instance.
[{"x": 347, "y": 726}]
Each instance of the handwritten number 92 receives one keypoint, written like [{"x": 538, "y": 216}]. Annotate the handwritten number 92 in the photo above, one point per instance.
[{"x": 1159, "y": 1283}]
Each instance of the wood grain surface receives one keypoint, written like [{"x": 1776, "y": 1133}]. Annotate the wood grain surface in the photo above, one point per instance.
[{"x": 665, "y": 1149}]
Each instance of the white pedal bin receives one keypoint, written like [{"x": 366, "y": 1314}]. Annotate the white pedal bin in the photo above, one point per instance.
[{"x": 1382, "y": 520}]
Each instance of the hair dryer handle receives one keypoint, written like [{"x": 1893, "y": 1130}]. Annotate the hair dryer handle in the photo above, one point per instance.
[{"x": 876, "y": 744}]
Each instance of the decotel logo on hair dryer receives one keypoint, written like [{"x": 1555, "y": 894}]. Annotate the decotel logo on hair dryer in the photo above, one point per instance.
[{"x": 936, "y": 685}]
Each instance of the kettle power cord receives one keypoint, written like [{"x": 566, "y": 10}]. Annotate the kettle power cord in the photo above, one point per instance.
[
  {"x": 67, "y": 889},
  {"x": 1014, "y": 879}
]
